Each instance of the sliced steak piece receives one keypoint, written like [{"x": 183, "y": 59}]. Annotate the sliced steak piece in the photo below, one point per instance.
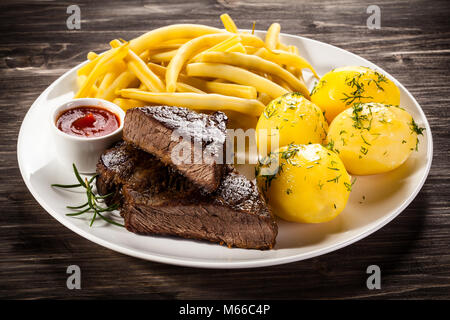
[
  {"x": 191, "y": 142},
  {"x": 124, "y": 164},
  {"x": 158, "y": 200}
]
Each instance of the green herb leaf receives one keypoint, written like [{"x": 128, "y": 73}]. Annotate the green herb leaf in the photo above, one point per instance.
[{"x": 92, "y": 200}]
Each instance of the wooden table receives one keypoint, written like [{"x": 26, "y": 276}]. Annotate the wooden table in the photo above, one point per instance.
[{"x": 36, "y": 47}]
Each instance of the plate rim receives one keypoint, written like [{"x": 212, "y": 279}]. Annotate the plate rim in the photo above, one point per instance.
[{"x": 255, "y": 263}]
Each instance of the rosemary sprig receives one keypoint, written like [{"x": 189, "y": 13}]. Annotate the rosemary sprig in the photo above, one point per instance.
[
  {"x": 66, "y": 186},
  {"x": 92, "y": 203},
  {"x": 78, "y": 207}
]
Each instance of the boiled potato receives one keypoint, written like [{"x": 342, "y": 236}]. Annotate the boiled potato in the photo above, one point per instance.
[
  {"x": 296, "y": 120},
  {"x": 311, "y": 184},
  {"x": 343, "y": 87},
  {"x": 373, "y": 138}
]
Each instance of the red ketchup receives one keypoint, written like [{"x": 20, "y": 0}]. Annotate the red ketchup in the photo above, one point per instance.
[{"x": 88, "y": 121}]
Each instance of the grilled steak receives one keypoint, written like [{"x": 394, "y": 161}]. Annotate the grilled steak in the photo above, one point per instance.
[
  {"x": 191, "y": 142},
  {"x": 158, "y": 200}
]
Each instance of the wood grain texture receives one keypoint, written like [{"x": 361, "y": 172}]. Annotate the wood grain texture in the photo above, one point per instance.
[{"x": 412, "y": 251}]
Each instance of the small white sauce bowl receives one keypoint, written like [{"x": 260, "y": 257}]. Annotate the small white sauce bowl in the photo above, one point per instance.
[{"x": 83, "y": 151}]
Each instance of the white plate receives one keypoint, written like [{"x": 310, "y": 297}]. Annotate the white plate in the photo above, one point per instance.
[{"x": 385, "y": 195}]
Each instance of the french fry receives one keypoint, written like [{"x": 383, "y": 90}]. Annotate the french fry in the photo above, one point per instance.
[
  {"x": 224, "y": 45},
  {"x": 144, "y": 74},
  {"x": 92, "y": 92},
  {"x": 221, "y": 46},
  {"x": 144, "y": 55},
  {"x": 157, "y": 69},
  {"x": 91, "y": 55},
  {"x": 293, "y": 49},
  {"x": 124, "y": 80},
  {"x": 115, "y": 43},
  {"x": 183, "y": 87},
  {"x": 228, "y": 23},
  {"x": 281, "y": 46},
  {"x": 106, "y": 61},
  {"x": 152, "y": 83},
  {"x": 272, "y": 36},
  {"x": 197, "y": 101},
  {"x": 80, "y": 80},
  {"x": 285, "y": 58},
  {"x": 284, "y": 84},
  {"x": 88, "y": 67},
  {"x": 227, "y": 89},
  {"x": 264, "y": 98},
  {"x": 155, "y": 37},
  {"x": 253, "y": 62},
  {"x": 191, "y": 48},
  {"x": 177, "y": 42},
  {"x": 250, "y": 50},
  {"x": 236, "y": 75},
  {"x": 238, "y": 47},
  {"x": 231, "y": 89},
  {"x": 295, "y": 71},
  {"x": 163, "y": 56},
  {"x": 140, "y": 69},
  {"x": 106, "y": 82},
  {"x": 164, "y": 48},
  {"x": 126, "y": 104}
]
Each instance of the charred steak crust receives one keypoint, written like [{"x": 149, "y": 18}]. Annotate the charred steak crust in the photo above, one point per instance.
[
  {"x": 124, "y": 164},
  {"x": 158, "y": 200},
  {"x": 151, "y": 129}
]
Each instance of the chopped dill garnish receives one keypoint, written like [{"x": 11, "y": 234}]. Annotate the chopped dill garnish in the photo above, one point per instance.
[
  {"x": 290, "y": 152},
  {"x": 267, "y": 161},
  {"x": 358, "y": 86},
  {"x": 330, "y": 145},
  {"x": 415, "y": 128},
  {"x": 380, "y": 78},
  {"x": 365, "y": 141},
  {"x": 320, "y": 185},
  {"x": 349, "y": 186},
  {"x": 270, "y": 110},
  {"x": 318, "y": 85},
  {"x": 335, "y": 179},
  {"x": 359, "y": 118},
  {"x": 418, "y": 130},
  {"x": 364, "y": 150}
]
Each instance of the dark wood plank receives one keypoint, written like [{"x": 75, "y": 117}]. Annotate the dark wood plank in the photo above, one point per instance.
[{"x": 413, "y": 44}]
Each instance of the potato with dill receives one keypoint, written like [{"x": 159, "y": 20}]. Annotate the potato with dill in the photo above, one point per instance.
[
  {"x": 290, "y": 118},
  {"x": 373, "y": 138},
  {"x": 343, "y": 87},
  {"x": 304, "y": 183}
]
